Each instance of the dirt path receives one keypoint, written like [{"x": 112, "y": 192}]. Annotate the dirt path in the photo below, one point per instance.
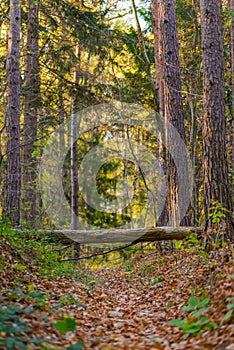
[
  {"x": 126, "y": 307},
  {"x": 131, "y": 309}
]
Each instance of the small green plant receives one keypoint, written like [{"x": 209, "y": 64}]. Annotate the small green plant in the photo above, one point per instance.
[
  {"x": 230, "y": 311},
  {"x": 78, "y": 346},
  {"x": 11, "y": 321},
  {"x": 129, "y": 267},
  {"x": 156, "y": 280},
  {"x": 197, "y": 322},
  {"x": 217, "y": 212},
  {"x": 147, "y": 269},
  {"x": 190, "y": 242},
  {"x": 12, "y": 328},
  {"x": 69, "y": 300},
  {"x": 41, "y": 253},
  {"x": 17, "y": 294}
]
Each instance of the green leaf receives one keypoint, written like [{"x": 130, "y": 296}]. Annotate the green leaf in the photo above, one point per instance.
[
  {"x": 194, "y": 330},
  {"x": 67, "y": 299},
  {"x": 204, "y": 302},
  {"x": 227, "y": 317},
  {"x": 18, "y": 328},
  {"x": 202, "y": 321},
  {"x": 230, "y": 299},
  {"x": 193, "y": 301},
  {"x": 230, "y": 306},
  {"x": 78, "y": 346},
  {"x": 35, "y": 294},
  {"x": 200, "y": 312},
  {"x": 38, "y": 341},
  {"x": 188, "y": 308},
  {"x": 81, "y": 305},
  {"x": 58, "y": 306},
  {"x": 66, "y": 325},
  {"x": 12, "y": 342},
  {"x": 177, "y": 322},
  {"x": 19, "y": 267},
  {"x": 34, "y": 154},
  {"x": 211, "y": 325}
]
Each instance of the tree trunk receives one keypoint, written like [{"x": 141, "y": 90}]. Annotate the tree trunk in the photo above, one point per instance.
[
  {"x": 158, "y": 53},
  {"x": 12, "y": 206},
  {"x": 159, "y": 67},
  {"x": 172, "y": 100},
  {"x": 74, "y": 173},
  {"x": 31, "y": 105},
  {"x": 74, "y": 162},
  {"x": 231, "y": 8},
  {"x": 215, "y": 167},
  {"x": 232, "y": 53},
  {"x": 194, "y": 138},
  {"x": 124, "y": 235}
]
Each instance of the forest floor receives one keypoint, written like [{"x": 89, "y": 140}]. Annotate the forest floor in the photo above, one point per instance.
[{"x": 123, "y": 307}]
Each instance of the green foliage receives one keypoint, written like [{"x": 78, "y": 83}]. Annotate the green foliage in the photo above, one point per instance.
[
  {"x": 147, "y": 269},
  {"x": 196, "y": 304},
  {"x": 129, "y": 266},
  {"x": 78, "y": 346},
  {"x": 113, "y": 176},
  {"x": 68, "y": 300},
  {"x": 11, "y": 321},
  {"x": 191, "y": 241},
  {"x": 156, "y": 280},
  {"x": 12, "y": 325},
  {"x": 19, "y": 267},
  {"x": 191, "y": 327},
  {"x": 12, "y": 342},
  {"x": 37, "y": 297},
  {"x": 230, "y": 311},
  {"x": 217, "y": 212},
  {"x": 41, "y": 251},
  {"x": 198, "y": 321},
  {"x": 67, "y": 324}
]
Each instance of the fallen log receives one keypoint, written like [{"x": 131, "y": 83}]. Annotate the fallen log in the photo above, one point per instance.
[{"x": 122, "y": 235}]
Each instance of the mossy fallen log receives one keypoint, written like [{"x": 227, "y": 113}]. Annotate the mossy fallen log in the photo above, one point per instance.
[{"x": 122, "y": 235}]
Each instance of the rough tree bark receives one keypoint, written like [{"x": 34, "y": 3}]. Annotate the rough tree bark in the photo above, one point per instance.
[
  {"x": 31, "y": 105},
  {"x": 159, "y": 68},
  {"x": 215, "y": 166},
  {"x": 124, "y": 235},
  {"x": 231, "y": 7},
  {"x": 172, "y": 99},
  {"x": 12, "y": 205},
  {"x": 74, "y": 173},
  {"x": 74, "y": 160}
]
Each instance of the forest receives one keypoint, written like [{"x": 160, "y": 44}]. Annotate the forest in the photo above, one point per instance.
[{"x": 117, "y": 174}]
